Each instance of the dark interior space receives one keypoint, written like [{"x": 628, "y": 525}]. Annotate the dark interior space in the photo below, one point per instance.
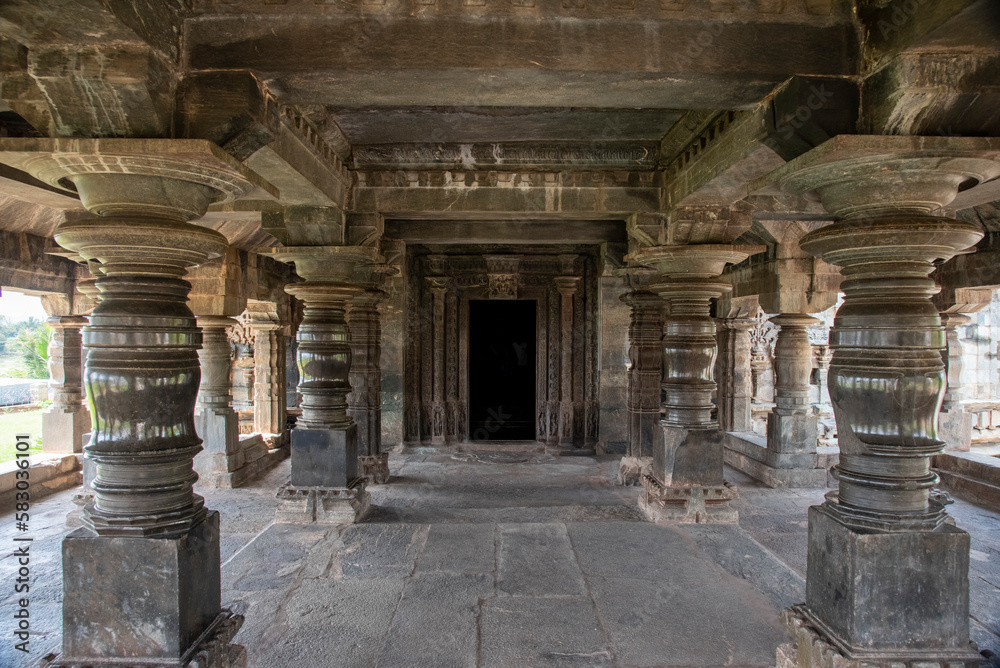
[{"x": 502, "y": 370}]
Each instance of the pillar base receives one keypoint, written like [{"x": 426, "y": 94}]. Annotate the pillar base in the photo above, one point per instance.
[
  {"x": 213, "y": 650},
  {"x": 810, "y": 649},
  {"x": 886, "y": 596},
  {"x": 955, "y": 429},
  {"x": 794, "y": 434},
  {"x": 63, "y": 429},
  {"x": 631, "y": 470},
  {"x": 323, "y": 505},
  {"x": 693, "y": 504},
  {"x": 156, "y": 600},
  {"x": 375, "y": 468},
  {"x": 324, "y": 457},
  {"x": 689, "y": 456}
]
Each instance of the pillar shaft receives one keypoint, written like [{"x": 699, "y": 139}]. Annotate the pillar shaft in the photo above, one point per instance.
[
  {"x": 954, "y": 424},
  {"x": 269, "y": 371},
  {"x": 439, "y": 286},
  {"x": 364, "y": 401},
  {"x": 215, "y": 418},
  {"x": 567, "y": 287},
  {"x": 65, "y": 422},
  {"x": 791, "y": 426},
  {"x": 645, "y": 372},
  {"x": 735, "y": 384}
]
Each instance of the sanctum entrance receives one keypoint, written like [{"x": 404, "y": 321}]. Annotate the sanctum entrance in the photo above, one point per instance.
[
  {"x": 513, "y": 327},
  {"x": 502, "y": 368}
]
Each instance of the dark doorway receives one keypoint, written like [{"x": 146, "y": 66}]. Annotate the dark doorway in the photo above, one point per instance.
[{"x": 502, "y": 370}]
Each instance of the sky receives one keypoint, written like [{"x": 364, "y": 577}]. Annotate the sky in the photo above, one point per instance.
[{"x": 18, "y": 307}]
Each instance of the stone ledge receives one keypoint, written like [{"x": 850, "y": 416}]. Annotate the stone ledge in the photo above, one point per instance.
[
  {"x": 256, "y": 460},
  {"x": 747, "y": 452},
  {"x": 971, "y": 476},
  {"x": 47, "y": 474}
]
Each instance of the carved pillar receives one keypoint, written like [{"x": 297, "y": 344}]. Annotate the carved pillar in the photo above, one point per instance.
[
  {"x": 365, "y": 400},
  {"x": 215, "y": 418},
  {"x": 567, "y": 287},
  {"x": 686, "y": 483},
  {"x": 954, "y": 424},
  {"x": 454, "y": 413},
  {"x": 823, "y": 355},
  {"x": 554, "y": 375},
  {"x": 735, "y": 391},
  {"x": 269, "y": 412},
  {"x": 791, "y": 425},
  {"x": 324, "y": 485},
  {"x": 147, "y": 556},
  {"x": 66, "y": 421},
  {"x": 644, "y": 375},
  {"x": 888, "y": 576},
  {"x": 439, "y": 287}
]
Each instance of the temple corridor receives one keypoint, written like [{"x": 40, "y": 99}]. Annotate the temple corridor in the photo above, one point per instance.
[{"x": 501, "y": 558}]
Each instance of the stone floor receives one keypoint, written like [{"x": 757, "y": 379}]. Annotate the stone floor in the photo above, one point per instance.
[{"x": 499, "y": 559}]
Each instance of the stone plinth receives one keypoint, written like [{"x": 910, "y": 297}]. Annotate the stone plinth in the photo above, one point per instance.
[
  {"x": 323, "y": 505},
  {"x": 324, "y": 457}
]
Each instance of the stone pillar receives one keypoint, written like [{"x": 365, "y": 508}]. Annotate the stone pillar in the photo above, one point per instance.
[
  {"x": 823, "y": 355},
  {"x": 269, "y": 412},
  {"x": 365, "y": 400},
  {"x": 325, "y": 486},
  {"x": 66, "y": 421},
  {"x": 735, "y": 386},
  {"x": 568, "y": 442},
  {"x": 147, "y": 556},
  {"x": 439, "y": 287},
  {"x": 644, "y": 378},
  {"x": 790, "y": 460},
  {"x": 954, "y": 424},
  {"x": 214, "y": 417},
  {"x": 686, "y": 483},
  {"x": 888, "y": 578}
]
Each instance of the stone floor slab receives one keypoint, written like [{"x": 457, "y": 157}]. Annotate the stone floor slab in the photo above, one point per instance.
[
  {"x": 537, "y": 560},
  {"x": 459, "y": 548}
]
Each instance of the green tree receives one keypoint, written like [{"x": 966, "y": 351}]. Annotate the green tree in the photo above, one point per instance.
[{"x": 32, "y": 344}]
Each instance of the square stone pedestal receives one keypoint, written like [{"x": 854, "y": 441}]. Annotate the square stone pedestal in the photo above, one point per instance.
[
  {"x": 323, "y": 505},
  {"x": 136, "y": 598},
  {"x": 900, "y": 596},
  {"x": 689, "y": 457},
  {"x": 324, "y": 457}
]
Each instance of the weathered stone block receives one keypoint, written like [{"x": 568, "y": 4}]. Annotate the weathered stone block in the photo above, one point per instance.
[
  {"x": 324, "y": 457},
  {"x": 791, "y": 434},
  {"x": 689, "y": 456},
  {"x": 955, "y": 429},
  {"x": 156, "y": 595},
  {"x": 903, "y": 594},
  {"x": 63, "y": 430}
]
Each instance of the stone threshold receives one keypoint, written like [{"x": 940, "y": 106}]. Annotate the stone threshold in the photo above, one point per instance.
[{"x": 747, "y": 452}]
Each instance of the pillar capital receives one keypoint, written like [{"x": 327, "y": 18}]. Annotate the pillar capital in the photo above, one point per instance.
[
  {"x": 66, "y": 321},
  {"x": 567, "y": 285}
]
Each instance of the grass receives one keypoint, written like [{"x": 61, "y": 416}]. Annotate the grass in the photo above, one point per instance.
[{"x": 21, "y": 422}]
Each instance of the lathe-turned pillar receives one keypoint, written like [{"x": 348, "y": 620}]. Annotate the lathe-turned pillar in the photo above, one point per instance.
[
  {"x": 67, "y": 419},
  {"x": 644, "y": 375},
  {"x": 215, "y": 419},
  {"x": 142, "y": 583},
  {"x": 790, "y": 460},
  {"x": 365, "y": 401},
  {"x": 888, "y": 578},
  {"x": 686, "y": 483},
  {"x": 954, "y": 424},
  {"x": 325, "y": 486}
]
